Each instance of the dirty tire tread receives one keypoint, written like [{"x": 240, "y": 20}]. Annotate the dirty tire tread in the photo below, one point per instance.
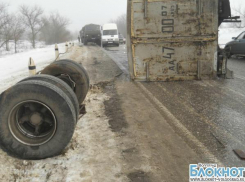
[
  {"x": 59, "y": 83},
  {"x": 54, "y": 98},
  {"x": 76, "y": 71}
]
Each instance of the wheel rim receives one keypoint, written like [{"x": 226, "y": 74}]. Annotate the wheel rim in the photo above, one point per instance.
[
  {"x": 32, "y": 123},
  {"x": 68, "y": 80}
]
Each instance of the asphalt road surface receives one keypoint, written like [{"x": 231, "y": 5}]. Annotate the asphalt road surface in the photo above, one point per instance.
[{"x": 209, "y": 115}]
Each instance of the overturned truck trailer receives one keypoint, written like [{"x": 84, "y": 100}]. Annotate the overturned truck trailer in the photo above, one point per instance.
[{"x": 173, "y": 40}]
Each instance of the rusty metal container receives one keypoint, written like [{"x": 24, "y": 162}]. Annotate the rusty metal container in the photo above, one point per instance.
[{"x": 172, "y": 39}]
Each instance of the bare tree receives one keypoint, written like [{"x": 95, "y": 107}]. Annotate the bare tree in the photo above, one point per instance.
[
  {"x": 4, "y": 19},
  {"x": 32, "y": 19},
  {"x": 121, "y": 22},
  {"x": 239, "y": 11},
  {"x": 18, "y": 30},
  {"x": 3, "y": 15},
  {"x": 45, "y": 30},
  {"x": 54, "y": 29},
  {"x": 7, "y": 31}
]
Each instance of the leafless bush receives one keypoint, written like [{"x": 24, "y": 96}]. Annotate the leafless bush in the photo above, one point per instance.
[
  {"x": 54, "y": 29},
  {"x": 32, "y": 19}
]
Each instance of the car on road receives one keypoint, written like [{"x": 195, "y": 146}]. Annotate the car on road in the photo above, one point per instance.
[
  {"x": 236, "y": 46},
  {"x": 122, "y": 40},
  {"x": 110, "y": 35}
]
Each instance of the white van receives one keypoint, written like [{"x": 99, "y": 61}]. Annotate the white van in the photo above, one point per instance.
[{"x": 110, "y": 35}]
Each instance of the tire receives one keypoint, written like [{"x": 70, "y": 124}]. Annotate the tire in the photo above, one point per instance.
[
  {"x": 228, "y": 51},
  {"x": 85, "y": 42},
  {"x": 62, "y": 85},
  {"x": 76, "y": 73},
  {"x": 28, "y": 105},
  {"x": 99, "y": 43}
]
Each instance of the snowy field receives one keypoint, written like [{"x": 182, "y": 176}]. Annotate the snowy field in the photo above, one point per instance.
[
  {"x": 14, "y": 67},
  {"x": 22, "y": 46}
]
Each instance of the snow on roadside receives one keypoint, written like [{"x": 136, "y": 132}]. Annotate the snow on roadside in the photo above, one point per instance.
[
  {"x": 15, "y": 67},
  {"x": 22, "y": 46},
  {"x": 92, "y": 154}
]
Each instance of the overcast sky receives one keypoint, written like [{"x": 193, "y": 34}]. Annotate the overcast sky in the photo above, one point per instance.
[{"x": 82, "y": 12}]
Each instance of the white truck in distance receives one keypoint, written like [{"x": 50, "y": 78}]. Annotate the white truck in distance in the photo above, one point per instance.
[{"x": 110, "y": 35}]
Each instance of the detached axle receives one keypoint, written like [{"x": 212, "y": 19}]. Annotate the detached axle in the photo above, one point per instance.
[{"x": 38, "y": 115}]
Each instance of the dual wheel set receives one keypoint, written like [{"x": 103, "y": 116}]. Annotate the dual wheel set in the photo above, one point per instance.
[{"x": 38, "y": 115}]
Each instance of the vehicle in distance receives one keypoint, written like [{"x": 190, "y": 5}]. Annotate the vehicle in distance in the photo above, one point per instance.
[
  {"x": 110, "y": 35},
  {"x": 122, "y": 40},
  {"x": 236, "y": 46},
  {"x": 91, "y": 33}
]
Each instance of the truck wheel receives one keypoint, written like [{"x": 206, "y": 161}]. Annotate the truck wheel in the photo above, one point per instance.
[
  {"x": 37, "y": 120},
  {"x": 73, "y": 74},
  {"x": 228, "y": 51},
  {"x": 99, "y": 43},
  {"x": 62, "y": 85}
]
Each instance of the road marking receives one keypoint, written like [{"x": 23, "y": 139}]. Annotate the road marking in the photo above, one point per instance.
[{"x": 181, "y": 127}]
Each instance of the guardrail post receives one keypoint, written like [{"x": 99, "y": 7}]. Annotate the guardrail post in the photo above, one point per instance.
[
  {"x": 56, "y": 52},
  {"x": 66, "y": 46},
  {"x": 32, "y": 67}
]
